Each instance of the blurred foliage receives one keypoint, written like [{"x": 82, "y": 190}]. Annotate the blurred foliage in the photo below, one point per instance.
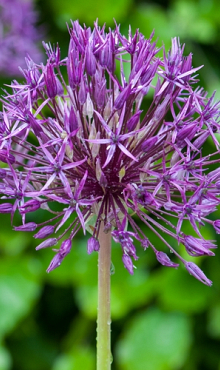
[
  {"x": 163, "y": 319},
  {"x": 160, "y": 339}
]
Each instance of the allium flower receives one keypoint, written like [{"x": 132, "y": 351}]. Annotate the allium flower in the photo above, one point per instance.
[
  {"x": 18, "y": 35},
  {"x": 78, "y": 134}
]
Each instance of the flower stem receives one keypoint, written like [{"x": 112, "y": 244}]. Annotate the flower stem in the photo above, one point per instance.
[{"x": 104, "y": 357}]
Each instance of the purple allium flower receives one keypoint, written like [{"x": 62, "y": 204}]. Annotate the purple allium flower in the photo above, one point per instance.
[
  {"x": 18, "y": 35},
  {"x": 88, "y": 144}
]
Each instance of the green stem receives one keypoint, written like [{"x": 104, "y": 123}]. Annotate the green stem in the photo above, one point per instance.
[{"x": 104, "y": 357}]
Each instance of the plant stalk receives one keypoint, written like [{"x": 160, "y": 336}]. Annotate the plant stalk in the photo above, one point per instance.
[{"x": 104, "y": 357}]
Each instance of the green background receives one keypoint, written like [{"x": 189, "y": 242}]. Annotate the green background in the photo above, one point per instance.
[{"x": 163, "y": 319}]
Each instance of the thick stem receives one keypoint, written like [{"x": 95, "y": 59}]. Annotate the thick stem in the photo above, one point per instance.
[{"x": 104, "y": 357}]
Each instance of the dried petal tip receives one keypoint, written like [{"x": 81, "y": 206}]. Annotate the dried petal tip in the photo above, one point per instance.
[
  {"x": 165, "y": 260},
  {"x": 194, "y": 270},
  {"x": 92, "y": 245}
]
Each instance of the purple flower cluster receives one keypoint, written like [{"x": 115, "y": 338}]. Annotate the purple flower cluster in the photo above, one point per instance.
[
  {"x": 78, "y": 140},
  {"x": 18, "y": 35}
]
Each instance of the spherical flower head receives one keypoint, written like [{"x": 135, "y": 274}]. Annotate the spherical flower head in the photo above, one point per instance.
[
  {"x": 87, "y": 143},
  {"x": 18, "y": 35}
]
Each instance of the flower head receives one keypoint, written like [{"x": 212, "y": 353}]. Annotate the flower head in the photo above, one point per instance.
[
  {"x": 18, "y": 35},
  {"x": 88, "y": 144}
]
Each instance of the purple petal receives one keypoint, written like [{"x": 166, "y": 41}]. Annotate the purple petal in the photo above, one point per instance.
[
  {"x": 30, "y": 226},
  {"x": 81, "y": 185},
  {"x": 92, "y": 245},
  {"x": 125, "y": 151},
  {"x": 111, "y": 152},
  {"x": 128, "y": 264},
  {"x": 165, "y": 260},
  {"x": 47, "y": 243},
  {"x": 195, "y": 271},
  {"x": 6, "y": 208},
  {"x": 44, "y": 232},
  {"x": 56, "y": 262}
]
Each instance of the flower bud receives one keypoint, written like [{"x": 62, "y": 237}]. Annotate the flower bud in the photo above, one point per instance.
[
  {"x": 44, "y": 232},
  {"x": 56, "y": 261},
  {"x": 195, "y": 271},
  {"x": 30, "y": 206},
  {"x": 73, "y": 122},
  {"x": 92, "y": 245},
  {"x": 201, "y": 139},
  {"x": 122, "y": 97},
  {"x": 6, "y": 157},
  {"x": 65, "y": 247},
  {"x": 30, "y": 226},
  {"x": 128, "y": 264},
  {"x": 6, "y": 208},
  {"x": 198, "y": 247},
  {"x": 216, "y": 225},
  {"x": 82, "y": 92},
  {"x": 104, "y": 55},
  {"x": 90, "y": 61},
  {"x": 133, "y": 121},
  {"x": 47, "y": 243},
  {"x": 149, "y": 143},
  {"x": 145, "y": 243},
  {"x": 50, "y": 81},
  {"x": 2, "y": 173},
  {"x": 165, "y": 260}
]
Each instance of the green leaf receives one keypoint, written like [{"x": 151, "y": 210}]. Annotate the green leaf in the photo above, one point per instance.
[
  {"x": 19, "y": 289},
  {"x": 149, "y": 17},
  {"x": 17, "y": 242},
  {"x": 5, "y": 359},
  {"x": 180, "y": 291},
  {"x": 192, "y": 21},
  {"x": 155, "y": 340},
  {"x": 214, "y": 321},
  {"x": 79, "y": 358},
  {"x": 104, "y": 10}
]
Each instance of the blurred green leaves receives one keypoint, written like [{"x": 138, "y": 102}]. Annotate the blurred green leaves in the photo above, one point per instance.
[
  {"x": 197, "y": 20},
  {"x": 182, "y": 293},
  {"x": 77, "y": 358},
  {"x": 89, "y": 11},
  {"x": 5, "y": 359},
  {"x": 193, "y": 20},
  {"x": 155, "y": 340},
  {"x": 20, "y": 287}
]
